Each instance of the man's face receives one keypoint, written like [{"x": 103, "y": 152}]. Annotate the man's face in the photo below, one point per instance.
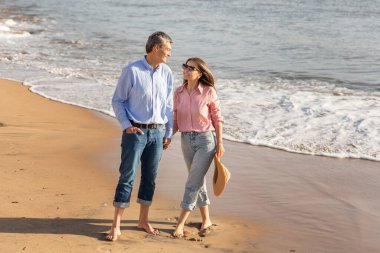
[{"x": 164, "y": 52}]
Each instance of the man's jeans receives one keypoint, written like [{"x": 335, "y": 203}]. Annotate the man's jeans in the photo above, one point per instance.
[
  {"x": 135, "y": 147},
  {"x": 198, "y": 150}
]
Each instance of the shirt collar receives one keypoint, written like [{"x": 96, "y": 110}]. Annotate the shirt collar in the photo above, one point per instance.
[
  {"x": 201, "y": 88},
  {"x": 182, "y": 88},
  {"x": 147, "y": 65}
]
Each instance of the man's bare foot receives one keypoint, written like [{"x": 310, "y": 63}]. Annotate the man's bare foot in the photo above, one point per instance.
[
  {"x": 113, "y": 234},
  {"x": 148, "y": 228}
]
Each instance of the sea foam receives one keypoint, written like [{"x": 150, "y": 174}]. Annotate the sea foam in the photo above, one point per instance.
[{"x": 311, "y": 119}]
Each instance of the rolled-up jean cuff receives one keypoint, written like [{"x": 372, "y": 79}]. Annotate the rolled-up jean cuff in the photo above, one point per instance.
[
  {"x": 120, "y": 204},
  {"x": 144, "y": 202},
  {"x": 188, "y": 207},
  {"x": 191, "y": 207},
  {"x": 205, "y": 203}
]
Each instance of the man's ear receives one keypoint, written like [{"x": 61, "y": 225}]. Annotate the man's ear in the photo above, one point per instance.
[{"x": 156, "y": 47}]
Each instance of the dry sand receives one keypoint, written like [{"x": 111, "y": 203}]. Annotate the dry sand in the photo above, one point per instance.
[
  {"x": 58, "y": 173},
  {"x": 59, "y": 169}
]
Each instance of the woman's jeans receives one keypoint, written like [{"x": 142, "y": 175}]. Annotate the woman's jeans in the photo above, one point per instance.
[
  {"x": 198, "y": 149},
  {"x": 135, "y": 147}
]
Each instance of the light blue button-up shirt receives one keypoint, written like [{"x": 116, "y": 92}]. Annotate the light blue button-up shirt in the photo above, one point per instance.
[{"x": 144, "y": 95}]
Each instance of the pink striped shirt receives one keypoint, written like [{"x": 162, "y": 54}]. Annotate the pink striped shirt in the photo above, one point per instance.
[{"x": 198, "y": 111}]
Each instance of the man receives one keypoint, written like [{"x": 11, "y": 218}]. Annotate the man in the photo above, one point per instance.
[{"x": 143, "y": 105}]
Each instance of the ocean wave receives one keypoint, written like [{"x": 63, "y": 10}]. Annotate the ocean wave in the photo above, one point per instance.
[
  {"x": 15, "y": 23},
  {"x": 8, "y": 29},
  {"x": 322, "y": 119}
]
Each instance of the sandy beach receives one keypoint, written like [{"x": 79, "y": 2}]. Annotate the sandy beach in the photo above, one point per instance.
[{"x": 59, "y": 166}]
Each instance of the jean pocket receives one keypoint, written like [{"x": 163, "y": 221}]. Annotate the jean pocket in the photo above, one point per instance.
[
  {"x": 129, "y": 138},
  {"x": 206, "y": 138},
  {"x": 161, "y": 130}
]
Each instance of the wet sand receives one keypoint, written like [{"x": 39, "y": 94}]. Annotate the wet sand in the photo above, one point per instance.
[
  {"x": 59, "y": 169},
  {"x": 304, "y": 203}
]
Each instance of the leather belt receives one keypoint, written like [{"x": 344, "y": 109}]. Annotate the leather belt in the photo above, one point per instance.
[{"x": 146, "y": 126}]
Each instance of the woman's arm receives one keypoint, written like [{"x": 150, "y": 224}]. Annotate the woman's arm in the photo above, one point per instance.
[
  {"x": 217, "y": 121},
  {"x": 219, "y": 139}
]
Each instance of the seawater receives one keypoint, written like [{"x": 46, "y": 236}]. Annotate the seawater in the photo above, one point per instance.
[{"x": 303, "y": 76}]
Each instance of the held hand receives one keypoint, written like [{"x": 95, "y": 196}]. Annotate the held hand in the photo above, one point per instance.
[
  {"x": 220, "y": 150},
  {"x": 134, "y": 130},
  {"x": 166, "y": 142}
]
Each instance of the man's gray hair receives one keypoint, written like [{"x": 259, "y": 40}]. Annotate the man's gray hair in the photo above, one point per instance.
[{"x": 159, "y": 38}]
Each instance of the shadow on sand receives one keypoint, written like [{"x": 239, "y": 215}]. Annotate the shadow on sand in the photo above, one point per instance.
[{"x": 95, "y": 228}]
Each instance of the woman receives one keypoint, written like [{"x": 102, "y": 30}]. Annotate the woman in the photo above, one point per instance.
[{"x": 197, "y": 116}]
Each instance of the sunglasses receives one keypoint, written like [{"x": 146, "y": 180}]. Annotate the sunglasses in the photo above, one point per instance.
[{"x": 189, "y": 68}]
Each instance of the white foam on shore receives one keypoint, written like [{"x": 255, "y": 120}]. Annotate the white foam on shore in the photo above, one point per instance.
[
  {"x": 9, "y": 29},
  {"x": 317, "y": 120},
  {"x": 90, "y": 95}
]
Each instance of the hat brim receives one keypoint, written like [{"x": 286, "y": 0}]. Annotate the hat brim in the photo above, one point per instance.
[{"x": 221, "y": 176}]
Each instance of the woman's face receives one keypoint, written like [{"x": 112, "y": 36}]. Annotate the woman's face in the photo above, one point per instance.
[{"x": 190, "y": 71}]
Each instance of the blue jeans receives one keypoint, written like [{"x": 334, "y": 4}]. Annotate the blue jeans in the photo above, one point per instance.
[
  {"x": 135, "y": 147},
  {"x": 198, "y": 151}
]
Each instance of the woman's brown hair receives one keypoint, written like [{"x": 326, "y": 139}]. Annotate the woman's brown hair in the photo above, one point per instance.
[{"x": 207, "y": 77}]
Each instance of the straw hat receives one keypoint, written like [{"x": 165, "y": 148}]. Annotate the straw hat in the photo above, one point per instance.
[{"x": 221, "y": 176}]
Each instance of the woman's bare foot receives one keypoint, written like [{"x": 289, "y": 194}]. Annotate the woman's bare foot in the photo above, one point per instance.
[
  {"x": 148, "y": 228},
  {"x": 205, "y": 228},
  {"x": 205, "y": 231},
  {"x": 178, "y": 232},
  {"x": 113, "y": 234},
  {"x": 206, "y": 224}
]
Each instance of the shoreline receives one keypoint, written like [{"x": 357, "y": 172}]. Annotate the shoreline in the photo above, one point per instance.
[
  {"x": 231, "y": 139},
  {"x": 276, "y": 201}
]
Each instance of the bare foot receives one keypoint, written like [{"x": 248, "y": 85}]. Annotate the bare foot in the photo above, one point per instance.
[
  {"x": 205, "y": 229},
  {"x": 178, "y": 232},
  {"x": 206, "y": 224},
  {"x": 113, "y": 234},
  {"x": 148, "y": 228}
]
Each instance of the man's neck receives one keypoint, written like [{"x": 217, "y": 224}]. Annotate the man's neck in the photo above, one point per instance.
[{"x": 152, "y": 61}]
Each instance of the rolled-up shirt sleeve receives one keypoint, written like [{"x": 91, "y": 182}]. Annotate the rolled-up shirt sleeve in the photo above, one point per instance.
[
  {"x": 214, "y": 107},
  {"x": 120, "y": 97}
]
